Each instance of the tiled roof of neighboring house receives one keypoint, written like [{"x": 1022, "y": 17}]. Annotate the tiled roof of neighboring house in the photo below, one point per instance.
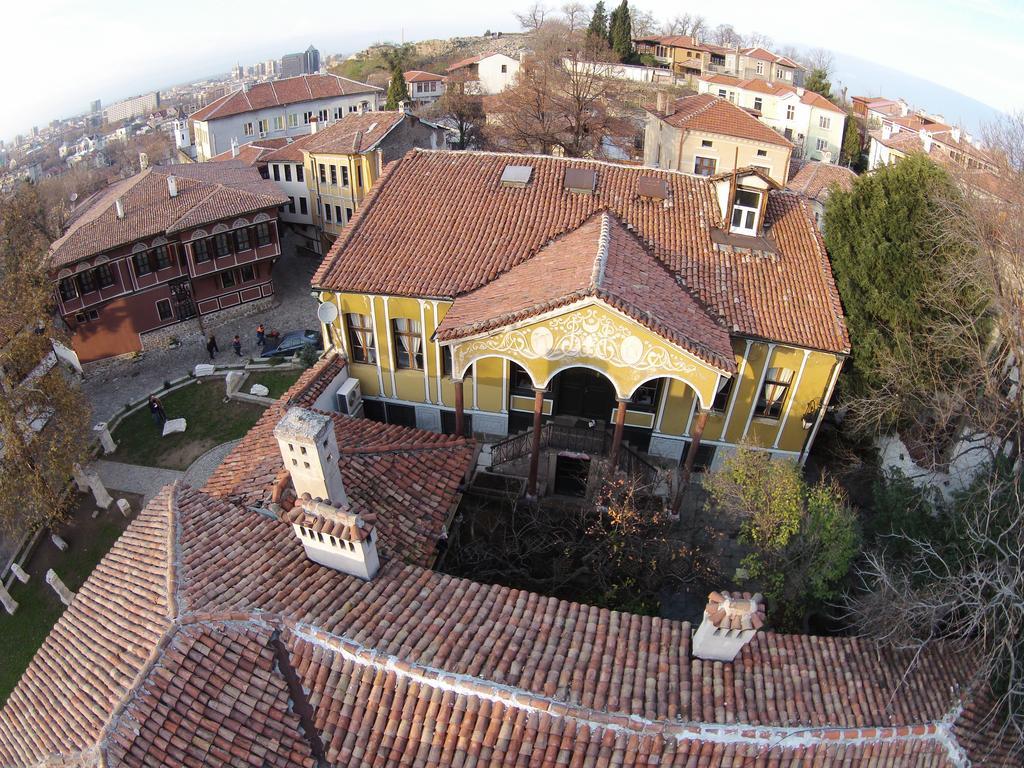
[
  {"x": 252, "y": 153},
  {"x": 710, "y": 114},
  {"x": 489, "y": 229},
  {"x": 475, "y": 59},
  {"x": 764, "y": 54},
  {"x": 781, "y": 90},
  {"x": 207, "y": 637},
  {"x": 679, "y": 41},
  {"x": 599, "y": 259},
  {"x": 207, "y": 192},
  {"x": 354, "y": 133},
  {"x": 279, "y": 93},
  {"x": 419, "y": 76},
  {"x": 290, "y": 152},
  {"x": 814, "y": 180},
  {"x": 409, "y": 478}
]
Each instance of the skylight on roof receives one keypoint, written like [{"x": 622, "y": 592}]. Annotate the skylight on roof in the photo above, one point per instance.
[
  {"x": 516, "y": 175},
  {"x": 650, "y": 186},
  {"x": 581, "y": 180}
]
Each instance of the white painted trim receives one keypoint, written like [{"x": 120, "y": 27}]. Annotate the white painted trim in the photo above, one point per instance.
[
  {"x": 663, "y": 404},
  {"x": 391, "y": 348},
  {"x": 423, "y": 341},
  {"x": 693, "y": 410},
  {"x": 792, "y": 398},
  {"x": 437, "y": 357},
  {"x": 723, "y": 444},
  {"x": 475, "y": 377},
  {"x": 824, "y": 406},
  {"x": 505, "y": 370},
  {"x": 736, "y": 389},
  {"x": 757, "y": 389},
  {"x": 373, "y": 320}
]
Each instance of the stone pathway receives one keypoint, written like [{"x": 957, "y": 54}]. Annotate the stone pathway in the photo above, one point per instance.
[
  {"x": 200, "y": 470},
  {"x": 146, "y": 481},
  {"x": 126, "y": 381}
]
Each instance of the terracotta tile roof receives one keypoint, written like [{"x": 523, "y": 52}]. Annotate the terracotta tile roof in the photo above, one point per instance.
[
  {"x": 678, "y": 41},
  {"x": 419, "y": 76},
  {"x": 207, "y": 192},
  {"x": 489, "y": 229},
  {"x": 764, "y": 54},
  {"x": 272, "y": 659},
  {"x": 354, "y": 133},
  {"x": 811, "y": 98},
  {"x": 814, "y": 180},
  {"x": 279, "y": 93},
  {"x": 252, "y": 153},
  {"x": 409, "y": 478},
  {"x": 600, "y": 259},
  {"x": 467, "y": 62},
  {"x": 290, "y": 152},
  {"x": 709, "y": 114}
]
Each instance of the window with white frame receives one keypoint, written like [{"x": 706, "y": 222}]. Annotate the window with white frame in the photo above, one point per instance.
[
  {"x": 279, "y": 123},
  {"x": 360, "y": 338},
  {"x": 746, "y": 209},
  {"x": 408, "y": 343},
  {"x": 248, "y": 129},
  {"x": 263, "y": 125},
  {"x": 760, "y": 67},
  {"x": 824, "y": 122},
  {"x": 758, "y": 103},
  {"x": 773, "y": 393},
  {"x": 293, "y": 119},
  {"x": 822, "y": 144},
  {"x": 790, "y": 112},
  {"x": 323, "y": 115},
  {"x": 338, "y": 113},
  {"x": 307, "y": 117}
]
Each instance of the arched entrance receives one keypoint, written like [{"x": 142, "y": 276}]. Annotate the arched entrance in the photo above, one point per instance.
[{"x": 583, "y": 393}]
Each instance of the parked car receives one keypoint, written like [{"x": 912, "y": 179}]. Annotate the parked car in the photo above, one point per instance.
[{"x": 292, "y": 342}]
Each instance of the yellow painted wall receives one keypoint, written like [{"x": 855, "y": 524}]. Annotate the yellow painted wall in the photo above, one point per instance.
[
  {"x": 489, "y": 391},
  {"x": 345, "y": 196}
]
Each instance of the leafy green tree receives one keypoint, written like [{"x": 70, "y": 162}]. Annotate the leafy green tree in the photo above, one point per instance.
[
  {"x": 397, "y": 90},
  {"x": 886, "y": 261},
  {"x": 598, "y": 29},
  {"x": 850, "y": 153},
  {"x": 620, "y": 32},
  {"x": 817, "y": 81},
  {"x": 803, "y": 537}
]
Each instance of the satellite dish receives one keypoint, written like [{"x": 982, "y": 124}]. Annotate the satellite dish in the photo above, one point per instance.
[{"x": 327, "y": 313}]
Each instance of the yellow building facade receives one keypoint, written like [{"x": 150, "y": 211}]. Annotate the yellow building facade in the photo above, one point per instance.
[
  {"x": 338, "y": 183},
  {"x": 684, "y": 385}
]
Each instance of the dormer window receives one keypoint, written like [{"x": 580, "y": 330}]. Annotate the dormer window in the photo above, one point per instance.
[{"x": 745, "y": 211}]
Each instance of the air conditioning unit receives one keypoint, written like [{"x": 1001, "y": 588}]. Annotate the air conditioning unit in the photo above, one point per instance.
[{"x": 350, "y": 398}]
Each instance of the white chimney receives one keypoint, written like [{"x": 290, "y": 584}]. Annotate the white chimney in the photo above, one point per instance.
[
  {"x": 310, "y": 452},
  {"x": 314, "y": 124},
  {"x": 926, "y": 141},
  {"x": 730, "y": 622},
  {"x": 403, "y": 106},
  {"x": 886, "y": 131},
  {"x": 119, "y": 207},
  {"x": 800, "y": 92},
  {"x": 143, "y": 161},
  {"x": 234, "y": 146},
  {"x": 336, "y": 537},
  {"x": 956, "y": 135},
  {"x": 662, "y": 104},
  {"x": 172, "y": 186}
]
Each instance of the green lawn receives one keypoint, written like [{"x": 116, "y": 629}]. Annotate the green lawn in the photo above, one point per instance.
[
  {"x": 276, "y": 381},
  {"x": 211, "y": 422},
  {"x": 39, "y": 607}
]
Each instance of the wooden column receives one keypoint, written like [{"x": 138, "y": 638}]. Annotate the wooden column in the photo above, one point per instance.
[
  {"x": 460, "y": 417},
  {"x": 538, "y": 412},
  {"x": 620, "y": 423},
  {"x": 691, "y": 454}
]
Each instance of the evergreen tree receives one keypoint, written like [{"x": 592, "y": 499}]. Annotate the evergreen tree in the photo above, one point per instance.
[
  {"x": 818, "y": 82},
  {"x": 850, "y": 152},
  {"x": 598, "y": 29},
  {"x": 881, "y": 238},
  {"x": 397, "y": 90},
  {"x": 620, "y": 32}
]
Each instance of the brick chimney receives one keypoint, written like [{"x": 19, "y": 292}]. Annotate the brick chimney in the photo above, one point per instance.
[
  {"x": 310, "y": 452},
  {"x": 336, "y": 536},
  {"x": 730, "y": 622}
]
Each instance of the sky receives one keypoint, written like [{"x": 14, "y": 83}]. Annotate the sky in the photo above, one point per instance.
[{"x": 78, "y": 51}]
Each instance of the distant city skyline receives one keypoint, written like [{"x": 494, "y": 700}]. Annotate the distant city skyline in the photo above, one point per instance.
[{"x": 117, "y": 51}]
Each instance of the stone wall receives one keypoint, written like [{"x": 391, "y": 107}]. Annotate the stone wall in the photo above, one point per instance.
[
  {"x": 220, "y": 317},
  {"x": 185, "y": 331}
]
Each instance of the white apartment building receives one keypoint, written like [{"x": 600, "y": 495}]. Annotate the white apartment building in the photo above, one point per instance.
[
  {"x": 424, "y": 87},
  {"x": 813, "y": 123},
  {"x": 278, "y": 109},
  {"x": 134, "y": 107}
]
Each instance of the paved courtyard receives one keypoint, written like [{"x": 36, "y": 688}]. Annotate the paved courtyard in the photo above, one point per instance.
[{"x": 128, "y": 380}]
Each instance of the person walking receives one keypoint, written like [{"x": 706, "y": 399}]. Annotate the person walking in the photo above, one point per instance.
[
  {"x": 261, "y": 335},
  {"x": 236, "y": 343},
  {"x": 156, "y": 409},
  {"x": 211, "y": 346}
]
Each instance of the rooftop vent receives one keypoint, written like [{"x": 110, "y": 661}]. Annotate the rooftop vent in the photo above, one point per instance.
[
  {"x": 649, "y": 186},
  {"x": 581, "y": 180},
  {"x": 516, "y": 175}
]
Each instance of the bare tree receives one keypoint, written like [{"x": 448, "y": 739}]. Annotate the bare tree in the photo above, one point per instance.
[
  {"x": 533, "y": 17},
  {"x": 575, "y": 15},
  {"x": 819, "y": 58},
  {"x": 461, "y": 110},
  {"x": 644, "y": 23},
  {"x": 726, "y": 35},
  {"x": 689, "y": 24},
  {"x": 757, "y": 39}
]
